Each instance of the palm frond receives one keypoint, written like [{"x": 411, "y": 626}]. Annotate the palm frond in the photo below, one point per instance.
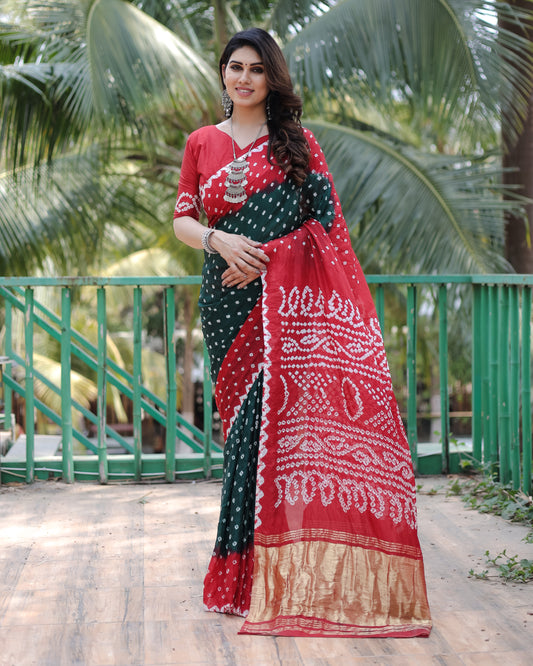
[
  {"x": 144, "y": 65},
  {"x": 83, "y": 389},
  {"x": 426, "y": 213},
  {"x": 291, "y": 16},
  {"x": 59, "y": 213},
  {"x": 105, "y": 65},
  {"x": 447, "y": 62},
  {"x": 31, "y": 125}
]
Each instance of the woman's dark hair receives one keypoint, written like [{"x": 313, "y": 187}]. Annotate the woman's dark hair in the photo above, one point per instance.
[{"x": 287, "y": 142}]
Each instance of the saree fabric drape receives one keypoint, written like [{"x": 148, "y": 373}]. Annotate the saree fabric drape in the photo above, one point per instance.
[
  {"x": 317, "y": 533},
  {"x": 335, "y": 546}
]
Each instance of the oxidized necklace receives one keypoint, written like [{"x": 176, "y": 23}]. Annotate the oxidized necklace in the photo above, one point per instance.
[{"x": 236, "y": 180}]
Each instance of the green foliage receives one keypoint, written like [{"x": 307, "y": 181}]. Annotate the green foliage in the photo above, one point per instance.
[
  {"x": 432, "y": 491},
  {"x": 450, "y": 192},
  {"x": 483, "y": 575},
  {"x": 467, "y": 465},
  {"x": 455, "y": 487},
  {"x": 443, "y": 67},
  {"x": 489, "y": 496},
  {"x": 510, "y": 568},
  {"x": 406, "y": 95}
]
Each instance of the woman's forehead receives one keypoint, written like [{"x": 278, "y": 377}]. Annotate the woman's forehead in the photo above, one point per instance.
[{"x": 246, "y": 55}]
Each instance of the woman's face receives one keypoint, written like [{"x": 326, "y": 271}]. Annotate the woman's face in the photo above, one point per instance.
[{"x": 244, "y": 77}]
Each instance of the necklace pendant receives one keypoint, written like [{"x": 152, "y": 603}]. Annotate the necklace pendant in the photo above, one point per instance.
[
  {"x": 235, "y": 194},
  {"x": 236, "y": 181},
  {"x": 236, "y": 178},
  {"x": 239, "y": 165}
]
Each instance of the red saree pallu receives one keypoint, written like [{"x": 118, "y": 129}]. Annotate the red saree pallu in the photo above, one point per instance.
[{"x": 336, "y": 551}]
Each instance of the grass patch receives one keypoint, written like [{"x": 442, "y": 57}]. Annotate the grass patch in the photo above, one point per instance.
[
  {"x": 488, "y": 496},
  {"x": 508, "y": 568}
]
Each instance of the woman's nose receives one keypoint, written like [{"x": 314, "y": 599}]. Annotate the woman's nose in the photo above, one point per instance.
[{"x": 245, "y": 75}]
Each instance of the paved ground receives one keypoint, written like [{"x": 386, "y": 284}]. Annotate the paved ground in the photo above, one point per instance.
[{"x": 112, "y": 576}]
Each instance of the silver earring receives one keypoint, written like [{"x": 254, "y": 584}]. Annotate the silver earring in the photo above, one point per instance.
[
  {"x": 267, "y": 109},
  {"x": 227, "y": 103}
]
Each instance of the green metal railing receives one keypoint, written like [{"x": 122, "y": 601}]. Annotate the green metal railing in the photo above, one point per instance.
[
  {"x": 498, "y": 318},
  {"x": 205, "y": 456}
]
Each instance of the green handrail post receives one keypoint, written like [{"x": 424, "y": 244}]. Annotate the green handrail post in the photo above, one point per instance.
[
  {"x": 514, "y": 392},
  {"x": 486, "y": 370},
  {"x": 504, "y": 416},
  {"x": 443, "y": 377},
  {"x": 8, "y": 371},
  {"x": 493, "y": 379},
  {"x": 66, "y": 393},
  {"x": 478, "y": 331},
  {"x": 527, "y": 451},
  {"x": 208, "y": 415},
  {"x": 137, "y": 381},
  {"x": 412, "y": 435},
  {"x": 28, "y": 384},
  {"x": 170, "y": 351},
  {"x": 101, "y": 404}
]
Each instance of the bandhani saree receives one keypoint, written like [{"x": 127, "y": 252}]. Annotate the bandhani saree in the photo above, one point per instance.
[{"x": 317, "y": 533}]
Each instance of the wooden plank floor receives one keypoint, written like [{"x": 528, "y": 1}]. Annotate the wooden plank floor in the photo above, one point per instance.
[{"x": 98, "y": 576}]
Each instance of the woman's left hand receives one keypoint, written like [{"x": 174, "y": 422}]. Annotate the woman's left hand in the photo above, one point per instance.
[{"x": 234, "y": 277}]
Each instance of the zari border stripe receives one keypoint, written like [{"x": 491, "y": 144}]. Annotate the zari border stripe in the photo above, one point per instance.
[
  {"x": 304, "y": 626},
  {"x": 332, "y": 536}
]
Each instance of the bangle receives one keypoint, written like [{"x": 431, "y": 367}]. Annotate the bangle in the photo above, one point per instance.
[{"x": 205, "y": 241}]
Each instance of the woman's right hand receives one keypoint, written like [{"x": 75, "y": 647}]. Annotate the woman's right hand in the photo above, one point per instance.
[{"x": 244, "y": 256}]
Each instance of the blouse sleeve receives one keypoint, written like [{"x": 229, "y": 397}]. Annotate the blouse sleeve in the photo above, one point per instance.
[{"x": 188, "y": 200}]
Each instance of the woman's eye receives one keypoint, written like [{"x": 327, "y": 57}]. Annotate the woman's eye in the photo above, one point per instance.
[
  {"x": 235, "y": 68},
  {"x": 257, "y": 70}
]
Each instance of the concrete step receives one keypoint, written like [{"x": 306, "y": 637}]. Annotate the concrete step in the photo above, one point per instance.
[{"x": 45, "y": 446}]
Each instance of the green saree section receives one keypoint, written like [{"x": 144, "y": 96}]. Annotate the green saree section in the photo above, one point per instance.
[{"x": 236, "y": 525}]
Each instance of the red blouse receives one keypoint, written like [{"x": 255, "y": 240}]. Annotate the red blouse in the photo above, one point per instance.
[{"x": 204, "y": 169}]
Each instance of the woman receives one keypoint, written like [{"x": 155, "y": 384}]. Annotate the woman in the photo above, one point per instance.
[{"x": 317, "y": 532}]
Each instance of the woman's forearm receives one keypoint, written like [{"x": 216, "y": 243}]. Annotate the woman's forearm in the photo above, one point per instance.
[
  {"x": 244, "y": 256},
  {"x": 189, "y": 231}
]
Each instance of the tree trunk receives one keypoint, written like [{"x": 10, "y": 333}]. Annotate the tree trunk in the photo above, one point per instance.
[
  {"x": 518, "y": 159},
  {"x": 221, "y": 32}
]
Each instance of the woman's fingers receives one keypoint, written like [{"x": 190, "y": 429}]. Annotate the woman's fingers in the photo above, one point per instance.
[
  {"x": 240, "y": 251},
  {"x": 249, "y": 255},
  {"x": 244, "y": 256},
  {"x": 234, "y": 276}
]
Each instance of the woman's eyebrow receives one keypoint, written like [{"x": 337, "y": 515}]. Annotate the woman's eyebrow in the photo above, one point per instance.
[{"x": 238, "y": 62}]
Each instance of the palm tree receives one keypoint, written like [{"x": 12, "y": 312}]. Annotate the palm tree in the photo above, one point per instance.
[
  {"x": 69, "y": 164},
  {"x": 517, "y": 158},
  {"x": 433, "y": 77},
  {"x": 407, "y": 86}
]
